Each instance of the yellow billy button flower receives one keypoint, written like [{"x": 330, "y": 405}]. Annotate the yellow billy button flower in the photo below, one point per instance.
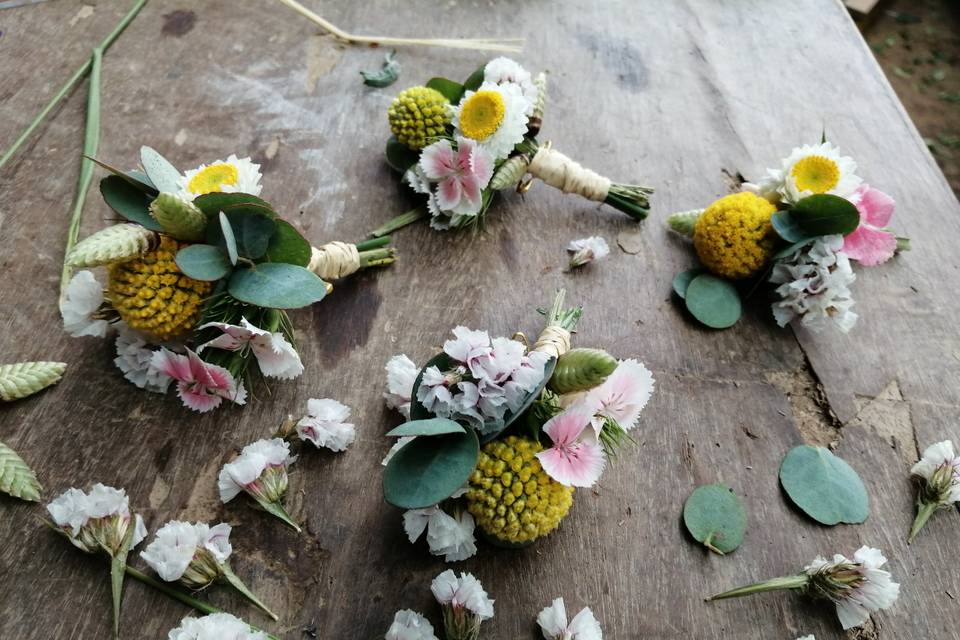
[
  {"x": 511, "y": 497},
  {"x": 733, "y": 236},
  {"x": 816, "y": 174},
  {"x": 153, "y": 296},
  {"x": 418, "y": 115},
  {"x": 481, "y": 114}
]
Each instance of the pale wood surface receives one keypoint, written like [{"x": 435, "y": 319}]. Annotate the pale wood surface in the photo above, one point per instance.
[{"x": 662, "y": 92}]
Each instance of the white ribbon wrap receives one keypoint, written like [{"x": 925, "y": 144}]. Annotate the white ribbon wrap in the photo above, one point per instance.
[
  {"x": 554, "y": 341},
  {"x": 334, "y": 260},
  {"x": 559, "y": 171}
]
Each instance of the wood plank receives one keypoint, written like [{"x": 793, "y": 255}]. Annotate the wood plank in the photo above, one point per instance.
[{"x": 666, "y": 93}]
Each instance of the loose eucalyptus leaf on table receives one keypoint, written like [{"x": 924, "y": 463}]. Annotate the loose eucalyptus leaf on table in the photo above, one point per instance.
[
  {"x": 16, "y": 478},
  {"x": 385, "y": 76},
  {"x": 128, "y": 201},
  {"x": 428, "y": 427},
  {"x": 203, "y": 262},
  {"x": 682, "y": 280},
  {"x": 163, "y": 175},
  {"x": 713, "y": 301},
  {"x": 824, "y": 214},
  {"x": 276, "y": 285},
  {"x": 786, "y": 227},
  {"x": 714, "y": 515},
  {"x": 452, "y": 91},
  {"x": 824, "y": 486},
  {"x": 429, "y": 470}
]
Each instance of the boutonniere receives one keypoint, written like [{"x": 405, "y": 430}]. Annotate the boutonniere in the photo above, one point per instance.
[
  {"x": 459, "y": 144},
  {"x": 201, "y": 278},
  {"x": 799, "y": 229},
  {"x": 500, "y": 433}
]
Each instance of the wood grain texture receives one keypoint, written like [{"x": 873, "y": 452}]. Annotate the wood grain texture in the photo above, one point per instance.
[{"x": 664, "y": 93}]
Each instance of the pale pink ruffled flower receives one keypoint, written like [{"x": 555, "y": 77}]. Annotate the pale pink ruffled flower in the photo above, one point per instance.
[
  {"x": 461, "y": 174},
  {"x": 275, "y": 355},
  {"x": 576, "y": 457},
  {"x": 200, "y": 385},
  {"x": 623, "y": 395},
  {"x": 325, "y": 425},
  {"x": 870, "y": 244},
  {"x": 553, "y": 623}
]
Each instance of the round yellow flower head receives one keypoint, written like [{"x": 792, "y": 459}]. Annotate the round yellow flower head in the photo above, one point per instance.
[
  {"x": 511, "y": 497},
  {"x": 418, "y": 115},
  {"x": 153, "y": 296},
  {"x": 733, "y": 235}
]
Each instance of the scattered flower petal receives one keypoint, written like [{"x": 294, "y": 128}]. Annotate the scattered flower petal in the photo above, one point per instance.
[
  {"x": 324, "y": 425},
  {"x": 586, "y": 250}
]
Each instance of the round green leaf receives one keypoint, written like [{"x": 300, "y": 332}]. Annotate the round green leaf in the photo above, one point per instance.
[
  {"x": 287, "y": 245},
  {"x": 427, "y": 471},
  {"x": 128, "y": 201},
  {"x": 451, "y": 90},
  {"x": 475, "y": 80},
  {"x": 715, "y": 516},
  {"x": 682, "y": 280},
  {"x": 228, "y": 238},
  {"x": 713, "y": 301},
  {"x": 786, "y": 227},
  {"x": 213, "y": 203},
  {"x": 253, "y": 232},
  {"x": 400, "y": 157},
  {"x": 428, "y": 427},
  {"x": 162, "y": 174},
  {"x": 203, "y": 262},
  {"x": 823, "y": 486},
  {"x": 276, "y": 285},
  {"x": 824, "y": 214}
]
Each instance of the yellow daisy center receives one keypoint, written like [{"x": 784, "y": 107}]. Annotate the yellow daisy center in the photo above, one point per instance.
[
  {"x": 816, "y": 174},
  {"x": 481, "y": 114},
  {"x": 212, "y": 179}
]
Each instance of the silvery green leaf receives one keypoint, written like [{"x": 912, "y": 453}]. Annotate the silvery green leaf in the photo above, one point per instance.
[{"x": 386, "y": 76}]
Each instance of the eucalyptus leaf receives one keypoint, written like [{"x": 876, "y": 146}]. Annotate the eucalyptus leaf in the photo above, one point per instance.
[
  {"x": 163, "y": 175},
  {"x": 428, "y": 427},
  {"x": 287, "y": 245},
  {"x": 825, "y": 214},
  {"x": 276, "y": 285},
  {"x": 142, "y": 180},
  {"x": 452, "y": 91},
  {"x": 128, "y": 201},
  {"x": 475, "y": 80},
  {"x": 682, "y": 280},
  {"x": 789, "y": 250},
  {"x": 203, "y": 262},
  {"x": 400, "y": 157},
  {"x": 252, "y": 232},
  {"x": 824, "y": 486},
  {"x": 229, "y": 240},
  {"x": 133, "y": 178},
  {"x": 786, "y": 227},
  {"x": 427, "y": 471},
  {"x": 713, "y": 301},
  {"x": 715, "y": 516},
  {"x": 213, "y": 203},
  {"x": 16, "y": 478},
  {"x": 385, "y": 76}
]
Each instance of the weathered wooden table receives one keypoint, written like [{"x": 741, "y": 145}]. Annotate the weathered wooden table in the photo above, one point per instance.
[{"x": 664, "y": 92}]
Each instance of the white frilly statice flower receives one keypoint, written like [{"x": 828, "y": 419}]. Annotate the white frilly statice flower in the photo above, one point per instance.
[
  {"x": 98, "y": 520},
  {"x": 815, "y": 286},
  {"x": 80, "y": 308},
  {"x": 135, "y": 360},
  {"x": 325, "y": 425},
  {"x": 587, "y": 250},
  {"x": 450, "y": 536},
  {"x": 553, "y": 623},
  {"x": 859, "y": 587},
  {"x": 938, "y": 472},
  {"x": 410, "y": 625},
  {"x": 401, "y": 376},
  {"x": 506, "y": 71},
  {"x": 216, "y": 626},
  {"x": 260, "y": 471},
  {"x": 487, "y": 379},
  {"x": 464, "y": 602},
  {"x": 194, "y": 554}
]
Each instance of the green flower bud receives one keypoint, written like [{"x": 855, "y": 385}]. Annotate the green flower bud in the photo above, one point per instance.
[
  {"x": 179, "y": 218},
  {"x": 684, "y": 221},
  {"x": 510, "y": 173},
  {"x": 26, "y": 378},
  {"x": 118, "y": 243},
  {"x": 581, "y": 369}
]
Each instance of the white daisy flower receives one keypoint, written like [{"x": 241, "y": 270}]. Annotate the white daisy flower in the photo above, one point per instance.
[
  {"x": 325, "y": 425},
  {"x": 79, "y": 310},
  {"x": 586, "y": 250},
  {"x": 216, "y": 626},
  {"x": 862, "y": 588},
  {"x": 809, "y": 170},
  {"x": 553, "y": 623},
  {"x": 401, "y": 375},
  {"x": 233, "y": 175},
  {"x": 495, "y": 116},
  {"x": 448, "y": 536},
  {"x": 135, "y": 360},
  {"x": 194, "y": 554},
  {"x": 506, "y": 71},
  {"x": 815, "y": 286},
  {"x": 98, "y": 520},
  {"x": 410, "y": 625}
]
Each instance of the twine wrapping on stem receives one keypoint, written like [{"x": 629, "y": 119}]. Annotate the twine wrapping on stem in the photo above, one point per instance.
[
  {"x": 559, "y": 171},
  {"x": 334, "y": 260},
  {"x": 554, "y": 341}
]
